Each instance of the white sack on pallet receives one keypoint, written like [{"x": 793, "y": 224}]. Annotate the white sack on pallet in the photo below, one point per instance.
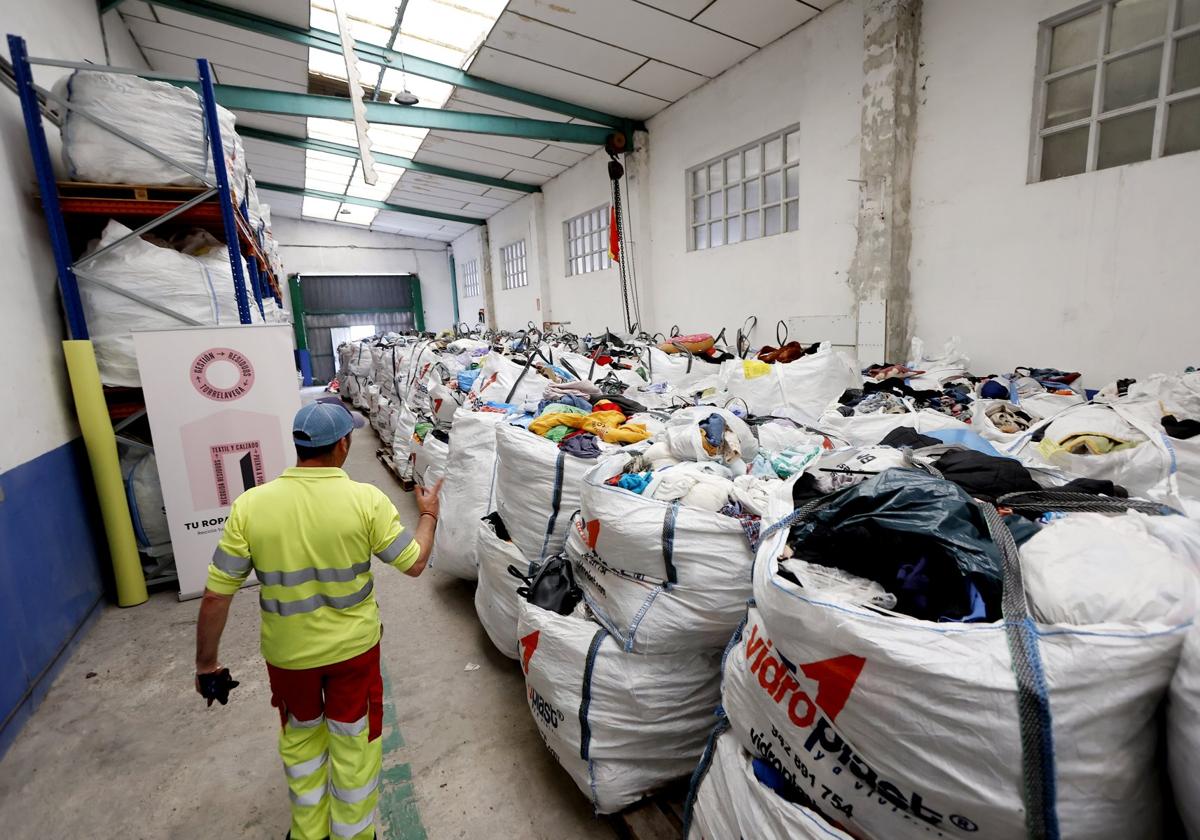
[
  {"x": 429, "y": 459},
  {"x": 1183, "y": 735},
  {"x": 802, "y": 389},
  {"x": 467, "y": 494},
  {"x": 402, "y": 442},
  {"x": 913, "y": 725},
  {"x": 537, "y": 490},
  {"x": 198, "y": 287},
  {"x": 731, "y": 802},
  {"x": 496, "y": 599},
  {"x": 167, "y": 118},
  {"x": 143, "y": 489},
  {"x": 661, "y": 577},
  {"x": 621, "y": 724}
]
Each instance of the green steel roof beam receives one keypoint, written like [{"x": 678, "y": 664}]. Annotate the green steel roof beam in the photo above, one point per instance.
[
  {"x": 370, "y": 202},
  {"x": 338, "y": 108},
  {"x": 383, "y": 157},
  {"x": 385, "y": 57}
]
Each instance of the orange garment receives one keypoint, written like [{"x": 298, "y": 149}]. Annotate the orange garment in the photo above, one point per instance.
[{"x": 609, "y": 426}]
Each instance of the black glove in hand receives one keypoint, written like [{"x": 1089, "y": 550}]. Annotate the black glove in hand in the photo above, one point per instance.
[{"x": 216, "y": 686}]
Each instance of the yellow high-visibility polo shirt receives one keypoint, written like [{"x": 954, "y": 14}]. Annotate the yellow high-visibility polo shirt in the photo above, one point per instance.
[{"x": 309, "y": 536}]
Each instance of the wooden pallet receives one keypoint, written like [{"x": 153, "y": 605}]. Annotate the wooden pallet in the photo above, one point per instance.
[
  {"x": 128, "y": 192},
  {"x": 660, "y": 817},
  {"x": 385, "y": 458}
]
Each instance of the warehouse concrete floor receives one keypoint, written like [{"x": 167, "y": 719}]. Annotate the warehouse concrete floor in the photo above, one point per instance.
[{"x": 123, "y": 747}]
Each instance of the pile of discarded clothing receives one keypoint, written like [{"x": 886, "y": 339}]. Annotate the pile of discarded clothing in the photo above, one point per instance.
[{"x": 1006, "y": 560}]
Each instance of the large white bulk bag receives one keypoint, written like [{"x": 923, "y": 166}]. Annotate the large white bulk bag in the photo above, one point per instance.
[
  {"x": 1151, "y": 469},
  {"x": 728, "y": 802},
  {"x": 661, "y": 577},
  {"x": 496, "y": 598},
  {"x": 915, "y": 726},
  {"x": 499, "y": 376},
  {"x": 403, "y": 442},
  {"x": 467, "y": 494},
  {"x": 161, "y": 115},
  {"x": 621, "y": 724},
  {"x": 537, "y": 490},
  {"x": 198, "y": 287},
  {"x": 429, "y": 459},
  {"x": 802, "y": 389},
  {"x": 1183, "y": 735}
]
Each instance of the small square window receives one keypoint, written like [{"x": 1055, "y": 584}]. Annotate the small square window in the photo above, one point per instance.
[
  {"x": 1111, "y": 89},
  {"x": 1183, "y": 127},
  {"x": 738, "y": 183},
  {"x": 1126, "y": 139}
]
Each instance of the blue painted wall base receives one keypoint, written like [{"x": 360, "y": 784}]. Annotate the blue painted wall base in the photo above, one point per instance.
[{"x": 52, "y": 551}]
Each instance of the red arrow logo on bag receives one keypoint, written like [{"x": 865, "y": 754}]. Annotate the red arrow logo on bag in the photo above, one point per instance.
[{"x": 528, "y": 646}]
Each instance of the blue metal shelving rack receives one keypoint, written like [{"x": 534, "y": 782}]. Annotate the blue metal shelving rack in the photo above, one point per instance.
[{"x": 69, "y": 269}]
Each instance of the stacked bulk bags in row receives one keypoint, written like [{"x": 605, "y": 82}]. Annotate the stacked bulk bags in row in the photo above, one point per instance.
[{"x": 1025, "y": 712}]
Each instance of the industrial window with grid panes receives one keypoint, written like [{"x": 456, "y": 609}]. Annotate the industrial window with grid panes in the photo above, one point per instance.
[
  {"x": 1118, "y": 82},
  {"x": 512, "y": 258},
  {"x": 746, "y": 194},
  {"x": 587, "y": 241},
  {"x": 470, "y": 275}
]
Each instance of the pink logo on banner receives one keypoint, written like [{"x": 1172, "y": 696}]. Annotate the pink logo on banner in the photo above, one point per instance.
[{"x": 200, "y": 370}]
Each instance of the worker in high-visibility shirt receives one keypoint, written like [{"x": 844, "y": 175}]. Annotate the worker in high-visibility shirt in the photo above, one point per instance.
[{"x": 309, "y": 536}]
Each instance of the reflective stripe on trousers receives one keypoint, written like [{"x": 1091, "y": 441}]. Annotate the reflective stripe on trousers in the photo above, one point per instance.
[
  {"x": 304, "y": 748},
  {"x": 356, "y": 763}
]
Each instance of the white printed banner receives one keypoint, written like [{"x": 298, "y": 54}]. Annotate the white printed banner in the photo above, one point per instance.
[{"x": 220, "y": 401}]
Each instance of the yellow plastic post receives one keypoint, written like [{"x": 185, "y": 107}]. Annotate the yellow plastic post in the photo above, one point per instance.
[{"x": 101, "y": 445}]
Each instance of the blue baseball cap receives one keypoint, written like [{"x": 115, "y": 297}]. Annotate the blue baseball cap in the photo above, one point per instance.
[{"x": 322, "y": 423}]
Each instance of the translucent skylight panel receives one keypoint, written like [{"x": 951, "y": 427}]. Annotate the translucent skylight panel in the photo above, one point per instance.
[
  {"x": 433, "y": 94},
  {"x": 319, "y": 208},
  {"x": 356, "y": 214},
  {"x": 388, "y": 176}
]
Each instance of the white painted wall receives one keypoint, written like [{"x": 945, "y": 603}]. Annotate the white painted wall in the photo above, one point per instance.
[
  {"x": 589, "y": 302},
  {"x": 307, "y": 247},
  {"x": 811, "y": 77},
  {"x": 469, "y": 247},
  {"x": 42, "y": 418},
  {"x": 1095, "y": 273},
  {"x": 520, "y": 220}
]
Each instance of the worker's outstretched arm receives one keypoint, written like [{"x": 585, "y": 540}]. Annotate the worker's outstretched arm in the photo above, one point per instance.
[
  {"x": 429, "y": 506},
  {"x": 393, "y": 544},
  {"x": 214, "y": 611}
]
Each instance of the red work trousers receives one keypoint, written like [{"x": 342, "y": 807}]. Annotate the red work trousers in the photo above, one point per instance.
[{"x": 332, "y": 719}]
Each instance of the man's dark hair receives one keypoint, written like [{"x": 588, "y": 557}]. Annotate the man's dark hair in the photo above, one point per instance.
[{"x": 308, "y": 453}]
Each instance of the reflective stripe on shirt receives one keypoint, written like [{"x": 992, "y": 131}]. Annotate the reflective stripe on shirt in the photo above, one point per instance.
[
  {"x": 299, "y": 576},
  {"x": 315, "y": 602},
  {"x": 395, "y": 548},
  {"x": 231, "y": 564}
]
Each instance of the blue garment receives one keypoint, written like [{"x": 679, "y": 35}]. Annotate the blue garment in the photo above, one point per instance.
[
  {"x": 636, "y": 482},
  {"x": 573, "y": 400},
  {"x": 978, "y": 607},
  {"x": 713, "y": 427},
  {"x": 967, "y": 438},
  {"x": 466, "y": 378},
  {"x": 994, "y": 389}
]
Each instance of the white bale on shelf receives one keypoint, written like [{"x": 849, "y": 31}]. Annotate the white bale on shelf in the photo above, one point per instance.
[
  {"x": 167, "y": 118},
  {"x": 199, "y": 287},
  {"x": 730, "y": 802},
  {"x": 468, "y": 493},
  {"x": 621, "y": 724}
]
